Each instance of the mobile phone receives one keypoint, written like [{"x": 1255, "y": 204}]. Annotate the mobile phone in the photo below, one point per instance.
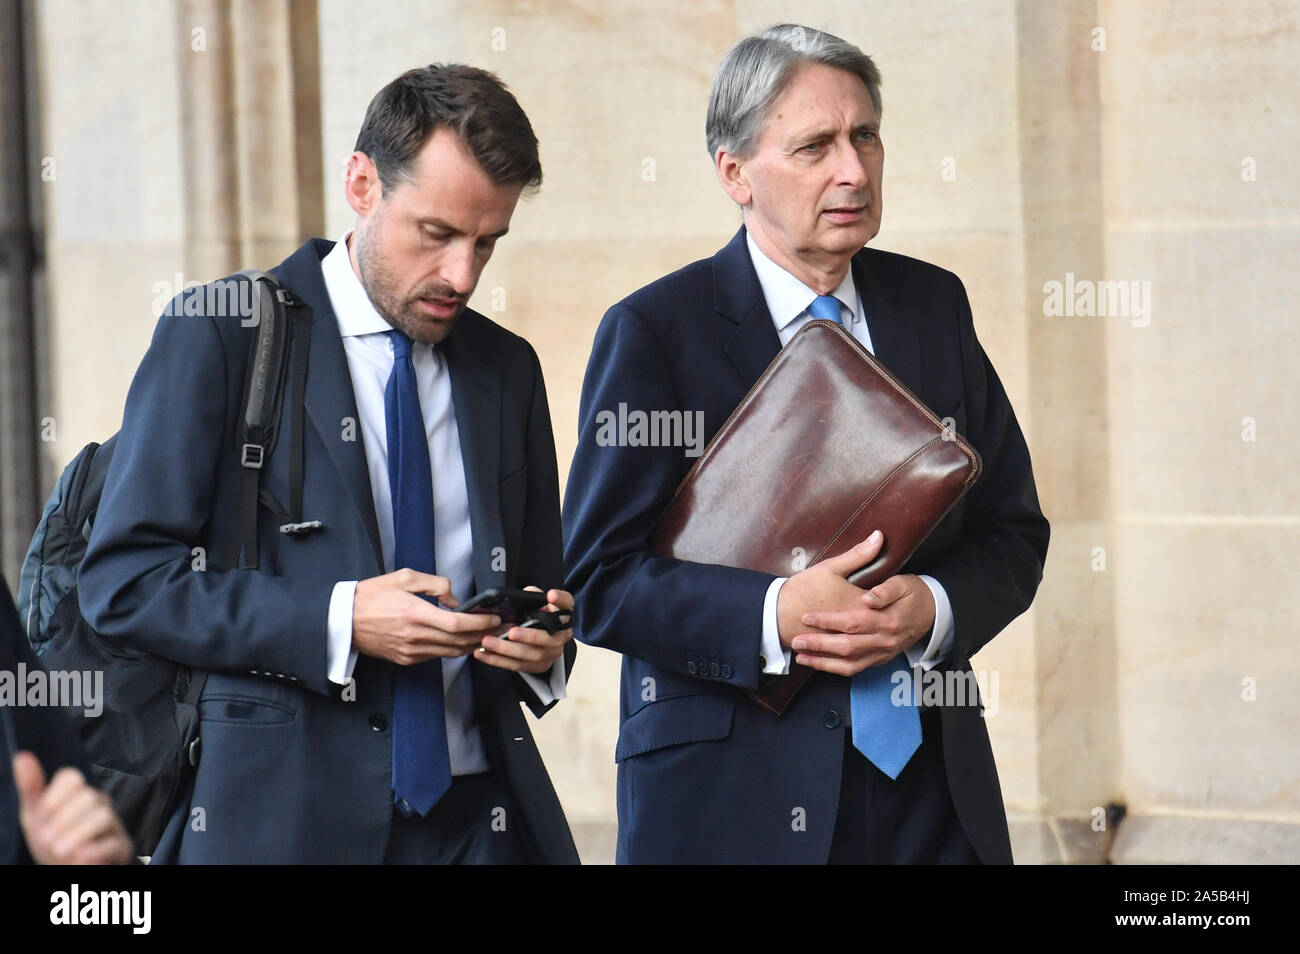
[{"x": 513, "y": 606}]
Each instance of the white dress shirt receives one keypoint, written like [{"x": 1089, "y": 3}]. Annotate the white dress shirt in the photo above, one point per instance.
[
  {"x": 787, "y": 301},
  {"x": 370, "y": 362}
]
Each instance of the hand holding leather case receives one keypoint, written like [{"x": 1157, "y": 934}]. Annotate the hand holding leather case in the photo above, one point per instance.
[{"x": 826, "y": 447}]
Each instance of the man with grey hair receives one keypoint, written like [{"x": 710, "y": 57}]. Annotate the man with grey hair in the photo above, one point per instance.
[{"x": 705, "y": 775}]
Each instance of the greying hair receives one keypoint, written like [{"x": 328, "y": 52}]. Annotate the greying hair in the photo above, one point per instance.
[{"x": 756, "y": 71}]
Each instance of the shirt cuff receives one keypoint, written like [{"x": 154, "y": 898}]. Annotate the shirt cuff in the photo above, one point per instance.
[
  {"x": 550, "y": 689},
  {"x": 340, "y": 657},
  {"x": 774, "y": 658},
  {"x": 941, "y": 635}
]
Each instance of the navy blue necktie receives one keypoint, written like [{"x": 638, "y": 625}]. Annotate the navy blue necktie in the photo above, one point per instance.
[{"x": 421, "y": 764}]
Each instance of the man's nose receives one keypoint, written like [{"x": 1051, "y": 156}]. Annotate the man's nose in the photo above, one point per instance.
[
  {"x": 459, "y": 268},
  {"x": 851, "y": 169}
]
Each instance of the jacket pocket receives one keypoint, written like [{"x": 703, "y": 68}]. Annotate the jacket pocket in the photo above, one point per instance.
[
  {"x": 676, "y": 720},
  {"x": 229, "y": 709}
]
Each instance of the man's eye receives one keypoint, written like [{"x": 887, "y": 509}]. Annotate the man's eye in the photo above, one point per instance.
[
  {"x": 811, "y": 147},
  {"x": 867, "y": 136}
]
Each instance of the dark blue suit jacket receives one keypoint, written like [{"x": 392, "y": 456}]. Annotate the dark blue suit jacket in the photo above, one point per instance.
[
  {"x": 705, "y": 775},
  {"x": 290, "y": 771}
]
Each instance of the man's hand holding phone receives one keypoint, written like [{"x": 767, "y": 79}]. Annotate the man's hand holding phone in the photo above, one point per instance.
[
  {"x": 526, "y": 648},
  {"x": 390, "y": 619}
]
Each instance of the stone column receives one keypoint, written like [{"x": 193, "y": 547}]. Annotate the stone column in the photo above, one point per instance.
[
  {"x": 1074, "y": 645},
  {"x": 249, "y": 76}
]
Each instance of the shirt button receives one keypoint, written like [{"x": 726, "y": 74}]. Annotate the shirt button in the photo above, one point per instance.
[
  {"x": 378, "y": 723},
  {"x": 832, "y": 719}
]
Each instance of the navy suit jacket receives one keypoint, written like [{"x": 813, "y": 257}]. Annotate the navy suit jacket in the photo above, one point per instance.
[
  {"x": 291, "y": 771},
  {"x": 705, "y": 775}
]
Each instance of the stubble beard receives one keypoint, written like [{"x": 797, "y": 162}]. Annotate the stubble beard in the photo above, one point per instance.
[{"x": 380, "y": 285}]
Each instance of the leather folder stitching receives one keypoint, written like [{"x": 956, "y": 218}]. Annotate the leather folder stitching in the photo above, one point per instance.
[
  {"x": 867, "y": 501},
  {"x": 912, "y": 399}
]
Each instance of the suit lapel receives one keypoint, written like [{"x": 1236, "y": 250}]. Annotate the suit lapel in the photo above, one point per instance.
[
  {"x": 738, "y": 296},
  {"x": 330, "y": 400},
  {"x": 476, "y": 394},
  {"x": 754, "y": 345},
  {"x": 894, "y": 338}
]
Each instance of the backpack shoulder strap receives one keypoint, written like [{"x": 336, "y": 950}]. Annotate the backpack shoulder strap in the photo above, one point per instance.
[{"x": 275, "y": 346}]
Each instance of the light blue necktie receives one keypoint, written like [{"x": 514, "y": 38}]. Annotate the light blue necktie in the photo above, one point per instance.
[
  {"x": 826, "y": 306},
  {"x": 421, "y": 763},
  {"x": 885, "y": 733}
]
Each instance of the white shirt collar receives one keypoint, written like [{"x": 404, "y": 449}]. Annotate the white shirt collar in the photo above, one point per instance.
[
  {"x": 787, "y": 297},
  {"x": 353, "y": 308}
]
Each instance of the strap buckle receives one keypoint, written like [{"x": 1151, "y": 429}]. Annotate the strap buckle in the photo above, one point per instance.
[{"x": 251, "y": 456}]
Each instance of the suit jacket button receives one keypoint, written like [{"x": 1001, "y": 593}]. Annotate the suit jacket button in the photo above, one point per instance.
[
  {"x": 715, "y": 669},
  {"x": 378, "y": 723},
  {"x": 690, "y": 667},
  {"x": 832, "y": 719},
  {"x": 726, "y": 671}
]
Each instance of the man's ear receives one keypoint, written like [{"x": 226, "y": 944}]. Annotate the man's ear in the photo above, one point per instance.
[
  {"x": 731, "y": 173},
  {"x": 361, "y": 184}
]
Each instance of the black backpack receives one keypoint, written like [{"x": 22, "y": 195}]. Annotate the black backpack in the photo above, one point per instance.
[{"x": 145, "y": 742}]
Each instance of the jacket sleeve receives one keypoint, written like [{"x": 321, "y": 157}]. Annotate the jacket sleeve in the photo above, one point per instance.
[
  {"x": 140, "y": 581},
  {"x": 992, "y": 573},
  {"x": 669, "y": 613}
]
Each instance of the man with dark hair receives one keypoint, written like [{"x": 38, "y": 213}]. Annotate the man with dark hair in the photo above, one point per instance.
[
  {"x": 468, "y": 101},
  {"x": 350, "y": 714},
  {"x": 853, "y": 771}
]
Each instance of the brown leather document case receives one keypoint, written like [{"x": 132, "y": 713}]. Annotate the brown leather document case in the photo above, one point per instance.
[{"x": 825, "y": 448}]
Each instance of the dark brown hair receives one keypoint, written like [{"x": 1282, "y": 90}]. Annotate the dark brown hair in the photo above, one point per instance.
[{"x": 471, "y": 102}]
